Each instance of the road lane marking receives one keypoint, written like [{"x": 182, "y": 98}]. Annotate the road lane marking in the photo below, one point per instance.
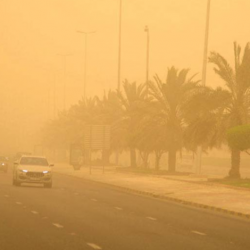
[
  {"x": 151, "y": 218},
  {"x": 72, "y": 234},
  {"x": 34, "y": 212},
  {"x": 118, "y": 208},
  {"x": 94, "y": 246},
  {"x": 57, "y": 225},
  {"x": 19, "y": 203},
  {"x": 6, "y": 196},
  {"x": 45, "y": 218},
  {"x": 199, "y": 233},
  {"x": 94, "y": 200}
]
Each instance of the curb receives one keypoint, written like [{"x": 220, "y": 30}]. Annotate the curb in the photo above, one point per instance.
[
  {"x": 168, "y": 198},
  {"x": 207, "y": 183}
]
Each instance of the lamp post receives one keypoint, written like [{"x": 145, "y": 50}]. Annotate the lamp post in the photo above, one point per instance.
[
  {"x": 85, "y": 59},
  {"x": 119, "y": 47},
  {"x": 204, "y": 71},
  {"x": 119, "y": 62},
  {"x": 147, "y": 59}
]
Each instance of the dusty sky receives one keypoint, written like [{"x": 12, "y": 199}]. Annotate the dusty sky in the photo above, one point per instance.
[{"x": 33, "y": 33}]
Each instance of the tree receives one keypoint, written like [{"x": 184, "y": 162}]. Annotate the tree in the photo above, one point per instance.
[
  {"x": 235, "y": 107},
  {"x": 151, "y": 135},
  {"x": 203, "y": 114},
  {"x": 171, "y": 97},
  {"x": 239, "y": 138},
  {"x": 108, "y": 112},
  {"x": 125, "y": 128}
]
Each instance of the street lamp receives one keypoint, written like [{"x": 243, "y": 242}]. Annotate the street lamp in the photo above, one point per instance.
[
  {"x": 147, "y": 58},
  {"x": 85, "y": 59},
  {"x": 119, "y": 47},
  {"x": 204, "y": 71},
  {"x": 64, "y": 56}
]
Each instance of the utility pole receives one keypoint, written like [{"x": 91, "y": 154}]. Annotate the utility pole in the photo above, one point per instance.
[
  {"x": 147, "y": 59},
  {"x": 85, "y": 59}
]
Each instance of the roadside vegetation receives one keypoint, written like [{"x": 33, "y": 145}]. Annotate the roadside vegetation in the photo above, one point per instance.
[
  {"x": 166, "y": 115},
  {"x": 241, "y": 183}
]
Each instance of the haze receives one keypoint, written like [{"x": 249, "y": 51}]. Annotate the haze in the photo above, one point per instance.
[
  {"x": 34, "y": 32},
  {"x": 161, "y": 163}
]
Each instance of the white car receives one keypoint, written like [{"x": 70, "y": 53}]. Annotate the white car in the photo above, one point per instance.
[{"x": 32, "y": 169}]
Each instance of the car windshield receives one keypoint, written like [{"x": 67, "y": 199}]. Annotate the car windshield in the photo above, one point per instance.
[{"x": 34, "y": 161}]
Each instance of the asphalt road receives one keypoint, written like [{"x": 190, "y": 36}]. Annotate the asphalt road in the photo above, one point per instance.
[{"x": 78, "y": 214}]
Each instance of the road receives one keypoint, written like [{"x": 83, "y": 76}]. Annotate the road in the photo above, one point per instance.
[{"x": 78, "y": 215}]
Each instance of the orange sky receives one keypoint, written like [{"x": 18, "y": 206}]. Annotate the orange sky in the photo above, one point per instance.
[{"x": 32, "y": 33}]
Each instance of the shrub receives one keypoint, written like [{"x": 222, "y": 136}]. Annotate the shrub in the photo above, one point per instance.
[{"x": 239, "y": 137}]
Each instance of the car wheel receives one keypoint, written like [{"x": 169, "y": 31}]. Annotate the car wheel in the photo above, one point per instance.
[{"x": 48, "y": 185}]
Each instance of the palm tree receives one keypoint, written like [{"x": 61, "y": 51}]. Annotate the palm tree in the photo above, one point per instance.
[
  {"x": 108, "y": 112},
  {"x": 203, "y": 114},
  {"x": 170, "y": 97},
  {"x": 151, "y": 136},
  {"x": 126, "y": 126},
  {"x": 236, "y": 105}
]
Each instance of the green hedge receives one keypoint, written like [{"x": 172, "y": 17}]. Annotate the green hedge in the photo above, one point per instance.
[{"x": 239, "y": 137}]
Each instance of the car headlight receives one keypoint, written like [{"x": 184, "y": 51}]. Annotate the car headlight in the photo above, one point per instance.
[
  {"x": 23, "y": 171},
  {"x": 3, "y": 164},
  {"x": 46, "y": 172}
]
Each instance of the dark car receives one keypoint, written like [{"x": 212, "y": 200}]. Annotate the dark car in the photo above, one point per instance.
[{"x": 4, "y": 163}]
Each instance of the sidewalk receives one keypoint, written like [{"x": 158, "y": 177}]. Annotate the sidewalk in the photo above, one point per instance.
[{"x": 190, "y": 190}]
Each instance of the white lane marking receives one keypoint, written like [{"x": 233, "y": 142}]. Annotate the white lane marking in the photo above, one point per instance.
[
  {"x": 6, "y": 196},
  {"x": 24, "y": 207},
  {"x": 94, "y": 200},
  {"x": 118, "y": 208},
  {"x": 34, "y": 212},
  {"x": 45, "y": 218},
  {"x": 19, "y": 203},
  {"x": 94, "y": 246},
  {"x": 72, "y": 234},
  {"x": 57, "y": 225},
  {"x": 151, "y": 218},
  {"x": 199, "y": 233}
]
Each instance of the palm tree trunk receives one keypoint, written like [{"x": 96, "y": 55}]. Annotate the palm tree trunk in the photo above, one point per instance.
[
  {"x": 157, "y": 160},
  {"x": 132, "y": 157},
  {"x": 234, "y": 172},
  {"x": 172, "y": 160},
  {"x": 105, "y": 156},
  {"x": 144, "y": 157}
]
